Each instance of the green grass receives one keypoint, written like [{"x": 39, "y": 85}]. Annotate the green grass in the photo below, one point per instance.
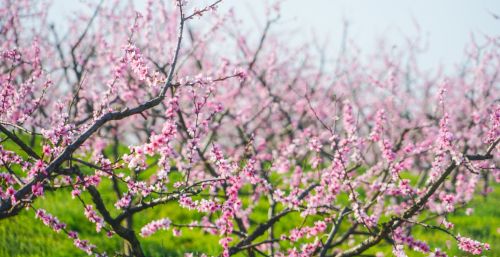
[
  {"x": 25, "y": 236},
  {"x": 483, "y": 225}
]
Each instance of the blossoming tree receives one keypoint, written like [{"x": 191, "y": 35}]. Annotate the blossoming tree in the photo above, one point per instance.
[{"x": 228, "y": 126}]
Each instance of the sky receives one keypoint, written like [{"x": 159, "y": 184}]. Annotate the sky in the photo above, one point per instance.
[{"x": 445, "y": 24}]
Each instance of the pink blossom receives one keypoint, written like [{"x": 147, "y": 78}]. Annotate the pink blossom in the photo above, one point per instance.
[
  {"x": 399, "y": 251},
  {"x": 37, "y": 189},
  {"x": 471, "y": 246},
  {"x": 176, "y": 232},
  {"x": 93, "y": 217},
  {"x": 124, "y": 202},
  {"x": 154, "y": 226},
  {"x": 50, "y": 220}
]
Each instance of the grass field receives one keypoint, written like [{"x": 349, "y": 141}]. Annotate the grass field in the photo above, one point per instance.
[{"x": 25, "y": 236}]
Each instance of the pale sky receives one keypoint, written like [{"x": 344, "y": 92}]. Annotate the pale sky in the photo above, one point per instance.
[{"x": 446, "y": 24}]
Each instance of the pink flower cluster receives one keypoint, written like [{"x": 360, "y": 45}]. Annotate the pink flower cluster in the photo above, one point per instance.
[
  {"x": 224, "y": 167},
  {"x": 402, "y": 239},
  {"x": 307, "y": 232},
  {"x": 380, "y": 120},
  {"x": 154, "y": 226},
  {"x": 93, "y": 217},
  {"x": 203, "y": 205},
  {"x": 49, "y": 220},
  {"x": 136, "y": 61},
  {"x": 471, "y": 246},
  {"x": 124, "y": 202},
  {"x": 37, "y": 189},
  {"x": 84, "y": 245}
]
